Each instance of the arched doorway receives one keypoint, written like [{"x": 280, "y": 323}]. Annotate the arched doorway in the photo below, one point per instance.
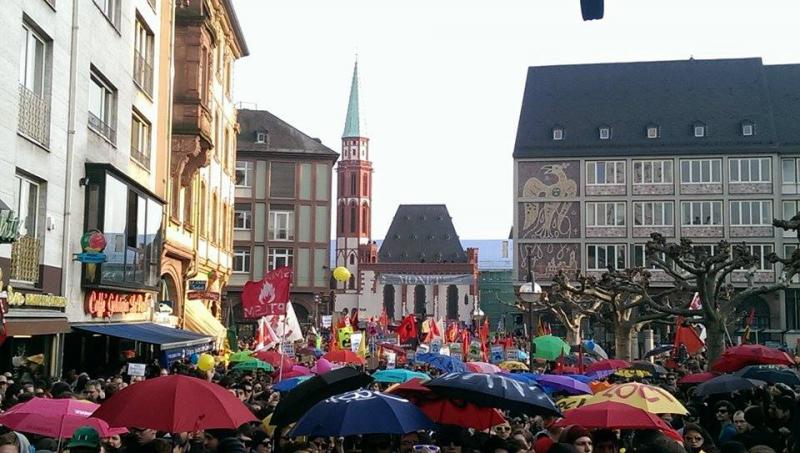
[
  {"x": 301, "y": 312},
  {"x": 419, "y": 300},
  {"x": 352, "y": 283},
  {"x": 761, "y": 313},
  {"x": 388, "y": 301},
  {"x": 452, "y": 302}
]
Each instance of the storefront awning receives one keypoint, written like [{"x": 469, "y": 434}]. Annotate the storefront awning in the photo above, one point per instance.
[
  {"x": 147, "y": 332},
  {"x": 198, "y": 319},
  {"x": 36, "y": 326}
]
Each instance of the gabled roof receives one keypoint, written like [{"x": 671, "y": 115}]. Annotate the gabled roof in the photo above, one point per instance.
[
  {"x": 355, "y": 124},
  {"x": 422, "y": 233},
  {"x": 280, "y": 136},
  {"x": 670, "y": 94}
]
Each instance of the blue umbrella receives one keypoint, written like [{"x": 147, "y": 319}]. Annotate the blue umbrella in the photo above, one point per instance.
[
  {"x": 288, "y": 384},
  {"x": 524, "y": 376},
  {"x": 771, "y": 374},
  {"x": 566, "y": 384},
  {"x": 361, "y": 412},
  {"x": 441, "y": 362},
  {"x": 599, "y": 374},
  {"x": 398, "y": 376}
]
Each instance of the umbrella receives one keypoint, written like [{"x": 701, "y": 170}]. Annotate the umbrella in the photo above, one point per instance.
[
  {"x": 494, "y": 390},
  {"x": 697, "y": 378},
  {"x": 612, "y": 415},
  {"x": 288, "y": 384},
  {"x": 572, "y": 402},
  {"x": 726, "y": 383},
  {"x": 599, "y": 386},
  {"x": 738, "y": 357},
  {"x": 628, "y": 373},
  {"x": 308, "y": 393},
  {"x": 174, "y": 404},
  {"x": 603, "y": 365},
  {"x": 652, "y": 399},
  {"x": 513, "y": 365},
  {"x": 599, "y": 374},
  {"x": 56, "y": 418},
  {"x": 549, "y": 347},
  {"x": 482, "y": 367},
  {"x": 241, "y": 356},
  {"x": 398, "y": 375},
  {"x": 317, "y": 353},
  {"x": 252, "y": 365},
  {"x": 323, "y": 366},
  {"x": 444, "y": 363},
  {"x": 275, "y": 358},
  {"x": 293, "y": 372},
  {"x": 343, "y": 356},
  {"x": 564, "y": 384},
  {"x": 651, "y": 368},
  {"x": 771, "y": 374},
  {"x": 595, "y": 348},
  {"x": 580, "y": 377},
  {"x": 361, "y": 412},
  {"x": 663, "y": 349}
]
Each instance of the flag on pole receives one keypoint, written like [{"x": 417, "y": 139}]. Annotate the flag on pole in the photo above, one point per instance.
[
  {"x": 265, "y": 336},
  {"x": 407, "y": 329},
  {"x": 696, "y": 303},
  {"x": 686, "y": 336},
  {"x": 268, "y": 296},
  {"x": 747, "y": 327},
  {"x": 286, "y": 327}
]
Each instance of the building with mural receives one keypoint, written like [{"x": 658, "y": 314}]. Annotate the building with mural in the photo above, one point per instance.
[{"x": 607, "y": 154}]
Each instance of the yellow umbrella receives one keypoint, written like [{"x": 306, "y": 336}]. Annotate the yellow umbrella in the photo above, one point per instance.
[
  {"x": 513, "y": 365},
  {"x": 647, "y": 397},
  {"x": 572, "y": 402},
  {"x": 628, "y": 373}
]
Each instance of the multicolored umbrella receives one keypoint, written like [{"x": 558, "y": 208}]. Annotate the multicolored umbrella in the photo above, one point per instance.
[
  {"x": 549, "y": 347},
  {"x": 650, "y": 398},
  {"x": 398, "y": 375},
  {"x": 572, "y": 402}
]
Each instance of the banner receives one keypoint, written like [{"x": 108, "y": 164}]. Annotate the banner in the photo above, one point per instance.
[
  {"x": 286, "y": 327},
  {"x": 512, "y": 354},
  {"x": 424, "y": 279},
  {"x": 269, "y": 296},
  {"x": 456, "y": 350},
  {"x": 343, "y": 337},
  {"x": 475, "y": 350}
]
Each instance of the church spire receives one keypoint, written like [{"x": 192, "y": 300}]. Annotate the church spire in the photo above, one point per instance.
[{"x": 355, "y": 124}]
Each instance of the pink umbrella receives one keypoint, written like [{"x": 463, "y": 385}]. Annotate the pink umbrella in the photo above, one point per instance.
[
  {"x": 295, "y": 371},
  {"x": 323, "y": 366},
  {"x": 482, "y": 367},
  {"x": 305, "y": 371},
  {"x": 55, "y": 418}
]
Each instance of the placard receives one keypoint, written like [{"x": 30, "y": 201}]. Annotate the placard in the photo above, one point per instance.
[
  {"x": 475, "y": 350},
  {"x": 355, "y": 341},
  {"x": 391, "y": 359},
  {"x": 326, "y": 321},
  {"x": 288, "y": 348},
  {"x": 436, "y": 345},
  {"x": 456, "y": 350},
  {"x": 197, "y": 285},
  {"x": 136, "y": 369},
  {"x": 496, "y": 354},
  {"x": 512, "y": 354}
]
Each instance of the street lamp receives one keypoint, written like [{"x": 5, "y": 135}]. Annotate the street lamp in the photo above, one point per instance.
[{"x": 530, "y": 292}]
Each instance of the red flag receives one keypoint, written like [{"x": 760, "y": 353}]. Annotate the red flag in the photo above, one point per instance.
[
  {"x": 465, "y": 340},
  {"x": 452, "y": 332},
  {"x": 268, "y": 296},
  {"x": 687, "y": 336},
  {"x": 407, "y": 329},
  {"x": 354, "y": 318},
  {"x": 747, "y": 327},
  {"x": 696, "y": 303},
  {"x": 384, "y": 320}
]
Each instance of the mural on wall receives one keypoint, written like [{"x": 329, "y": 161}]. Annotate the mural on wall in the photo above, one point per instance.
[
  {"x": 547, "y": 259},
  {"x": 549, "y": 219}
]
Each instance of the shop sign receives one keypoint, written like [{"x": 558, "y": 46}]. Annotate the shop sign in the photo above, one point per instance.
[
  {"x": 93, "y": 242},
  {"x": 204, "y": 295},
  {"x": 16, "y": 299},
  {"x": 197, "y": 285},
  {"x": 9, "y": 226},
  {"x": 104, "y": 304}
]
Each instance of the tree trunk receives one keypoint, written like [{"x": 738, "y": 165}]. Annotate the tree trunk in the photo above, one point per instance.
[
  {"x": 715, "y": 339},
  {"x": 624, "y": 335},
  {"x": 573, "y": 334}
]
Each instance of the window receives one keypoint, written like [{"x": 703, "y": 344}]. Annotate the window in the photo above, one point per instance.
[
  {"x": 365, "y": 185},
  {"x": 34, "y": 102},
  {"x": 281, "y": 181},
  {"x": 747, "y": 128},
  {"x": 261, "y": 137},
  {"x": 280, "y": 258},
  {"x": 353, "y": 184},
  {"x": 102, "y": 107},
  {"x": 605, "y": 214},
  {"x": 790, "y": 209},
  {"x": 244, "y": 173},
  {"x": 701, "y": 213},
  {"x": 705, "y": 250},
  {"x": 792, "y": 296},
  {"x": 761, "y": 252},
  {"x": 140, "y": 140},
  {"x": 110, "y": 8},
  {"x": 789, "y": 176},
  {"x": 202, "y": 220},
  {"x": 701, "y": 171},
  {"x": 652, "y": 213},
  {"x": 601, "y": 257},
  {"x": 242, "y": 217},
  {"x": 214, "y": 230},
  {"x": 27, "y": 206},
  {"x": 605, "y": 133},
  {"x": 652, "y": 132},
  {"x": 750, "y": 170},
  {"x": 558, "y": 133},
  {"x": 640, "y": 258},
  {"x": 32, "y": 71},
  {"x": 652, "y": 172},
  {"x": 241, "y": 260},
  {"x": 353, "y": 215},
  {"x": 751, "y": 213},
  {"x": 364, "y": 217},
  {"x": 143, "y": 57},
  {"x": 699, "y": 130},
  {"x": 605, "y": 172},
  {"x": 281, "y": 223}
]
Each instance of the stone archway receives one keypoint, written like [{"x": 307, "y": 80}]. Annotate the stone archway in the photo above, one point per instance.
[
  {"x": 172, "y": 286},
  {"x": 388, "y": 301},
  {"x": 419, "y": 301},
  {"x": 452, "y": 302}
]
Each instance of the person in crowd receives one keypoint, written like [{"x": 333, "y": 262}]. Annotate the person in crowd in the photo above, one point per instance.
[
  {"x": 93, "y": 391},
  {"x": 605, "y": 441},
  {"x": 223, "y": 441},
  {"x": 697, "y": 440},
  {"x": 85, "y": 440},
  {"x": 740, "y": 423},
  {"x": 759, "y": 433},
  {"x": 503, "y": 431},
  {"x": 577, "y": 436},
  {"x": 724, "y": 413}
]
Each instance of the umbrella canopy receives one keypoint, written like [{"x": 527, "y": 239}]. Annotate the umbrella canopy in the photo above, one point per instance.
[
  {"x": 652, "y": 399},
  {"x": 482, "y": 367},
  {"x": 289, "y": 373},
  {"x": 738, "y": 357},
  {"x": 663, "y": 349},
  {"x": 275, "y": 358},
  {"x": 513, "y": 365},
  {"x": 494, "y": 390},
  {"x": 697, "y": 378},
  {"x": 612, "y": 415},
  {"x": 288, "y": 384},
  {"x": 725, "y": 384},
  {"x": 771, "y": 374},
  {"x": 599, "y": 386},
  {"x": 398, "y": 375},
  {"x": 343, "y": 356},
  {"x": 566, "y": 384},
  {"x": 444, "y": 363},
  {"x": 308, "y": 393},
  {"x": 241, "y": 356},
  {"x": 572, "y": 402},
  {"x": 651, "y": 368},
  {"x": 56, "y": 418},
  {"x": 611, "y": 364},
  {"x": 595, "y": 348},
  {"x": 323, "y": 366},
  {"x": 361, "y": 412},
  {"x": 252, "y": 365},
  {"x": 628, "y": 373},
  {"x": 549, "y": 347},
  {"x": 412, "y": 390},
  {"x": 173, "y": 404}
]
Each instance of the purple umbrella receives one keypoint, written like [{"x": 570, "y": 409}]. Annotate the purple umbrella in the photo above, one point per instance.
[{"x": 566, "y": 384}]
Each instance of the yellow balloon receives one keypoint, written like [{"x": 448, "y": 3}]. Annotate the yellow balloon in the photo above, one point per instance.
[
  {"x": 341, "y": 274},
  {"x": 205, "y": 362}
]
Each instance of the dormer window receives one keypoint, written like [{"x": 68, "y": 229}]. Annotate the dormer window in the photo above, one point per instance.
[
  {"x": 653, "y": 131},
  {"x": 699, "y": 130},
  {"x": 558, "y": 133},
  {"x": 748, "y": 128},
  {"x": 261, "y": 137},
  {"x": 605, "y": 132}
]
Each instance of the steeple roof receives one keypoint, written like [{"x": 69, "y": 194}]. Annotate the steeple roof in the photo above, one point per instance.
[{"x": 355, "y": 124}]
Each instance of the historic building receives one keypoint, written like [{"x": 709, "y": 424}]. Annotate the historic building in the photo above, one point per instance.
[
  {"x": 282, "y": 213},
  {"x": 701, "y": 149}
]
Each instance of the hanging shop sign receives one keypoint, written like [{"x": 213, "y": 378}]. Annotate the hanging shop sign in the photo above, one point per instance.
[
  {"x": 9, "y": 226},
  {"x": 104, "y": 304},
  {"x": 204, "y": 295},
  {"x": 16, "y": 299},
  {"x": 197, "y": 285},
  {"x": 93, "y": 242}
]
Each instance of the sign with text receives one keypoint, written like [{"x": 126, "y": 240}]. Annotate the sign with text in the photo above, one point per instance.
[
  {"x": 436, "y": 345},
  {"x": 136, "y": 369},
  {"x": 456, "y": 349},
  {"x": 288, "y": 348},
  {"x": 475, "y": 350},
  {"x": 423, "y": 279},
  {"x": 202, "y": 295},
  {"x": 197, "y": 285},
  {"x": 496, "y": 354},
  {"x": 268, "y": 296},
  {"x": 355, "y": 341},
  {"x": 16, "y": 299},
  {"x": 104, "y": 304},
  {"x": 391, "y": 359},
  {"x": 326, "y": 321},
  {"x": 512, "y": 354}
]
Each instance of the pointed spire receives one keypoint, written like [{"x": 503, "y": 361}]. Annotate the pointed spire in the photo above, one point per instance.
[{"x": 355, "y": 124}]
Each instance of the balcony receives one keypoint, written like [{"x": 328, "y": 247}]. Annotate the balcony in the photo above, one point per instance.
[
  {"x": 34, "y": 116},
  {"x": 141, "y": 155},
  {"x": 143, "y": 72},
  {"x": 25, "y": 260},
  {"x": 102, "y": 128}
]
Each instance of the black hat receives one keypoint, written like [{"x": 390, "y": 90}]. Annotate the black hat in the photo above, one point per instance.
[{"x": 221, "y": 433}]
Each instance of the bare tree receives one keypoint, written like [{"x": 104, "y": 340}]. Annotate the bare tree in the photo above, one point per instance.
[{"x": 569, "y": 308}]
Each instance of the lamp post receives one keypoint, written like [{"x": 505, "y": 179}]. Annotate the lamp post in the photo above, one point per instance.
[{"x": 530, "y": 293}]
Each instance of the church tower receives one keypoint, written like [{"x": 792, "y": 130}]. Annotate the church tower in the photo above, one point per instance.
[{"x": 354, "y": 191}]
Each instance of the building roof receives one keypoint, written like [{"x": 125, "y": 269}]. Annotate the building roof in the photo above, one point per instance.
[
  {"x": 422, "y": 233},
  {"x": 237, "y": 28},
  {"x": 493, "y": 254},
  {"x": 355, "y": 124},
  {"x": 281, "y": 137},
  {"x": 672, "y": 95}
]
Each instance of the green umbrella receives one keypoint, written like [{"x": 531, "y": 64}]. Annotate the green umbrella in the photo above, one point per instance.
[
  {"x": 254, "y": 364},
  {"x": 548, "y": 347},
  {"x": 398, "y": 375},
  {"x": 241, "y": 356}
]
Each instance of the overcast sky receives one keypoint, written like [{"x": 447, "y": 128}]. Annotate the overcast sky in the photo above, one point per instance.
[{"x": 443, "y": 79}]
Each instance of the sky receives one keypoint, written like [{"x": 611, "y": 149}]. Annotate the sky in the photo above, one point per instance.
[{"x": 442, "y": 80}]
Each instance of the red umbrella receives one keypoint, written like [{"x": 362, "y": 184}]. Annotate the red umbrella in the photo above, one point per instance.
[
  {"x": 174, "y": 404},
  {"x": 612, "y": 415},
  {"x": 697, "y": 378},
  {"x": 482, "y": 367},
  {"x": 412, "y": 389},
  {"x": 343, "y": 356},
  {"x": 608, "y": 364},
  {"x": 295, "y": 371},
  {"x": 276, "y": 359},
  {"x": 57, "y": 418},
  {"x": 738, "y": 357}
]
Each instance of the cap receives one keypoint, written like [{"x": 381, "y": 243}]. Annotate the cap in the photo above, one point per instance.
[
  {"x": 573, "y": 433},
  {"x": 85, "y": 436}
]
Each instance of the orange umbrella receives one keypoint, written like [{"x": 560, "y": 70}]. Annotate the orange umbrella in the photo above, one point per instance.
[{"x": 599, "y": 386}]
